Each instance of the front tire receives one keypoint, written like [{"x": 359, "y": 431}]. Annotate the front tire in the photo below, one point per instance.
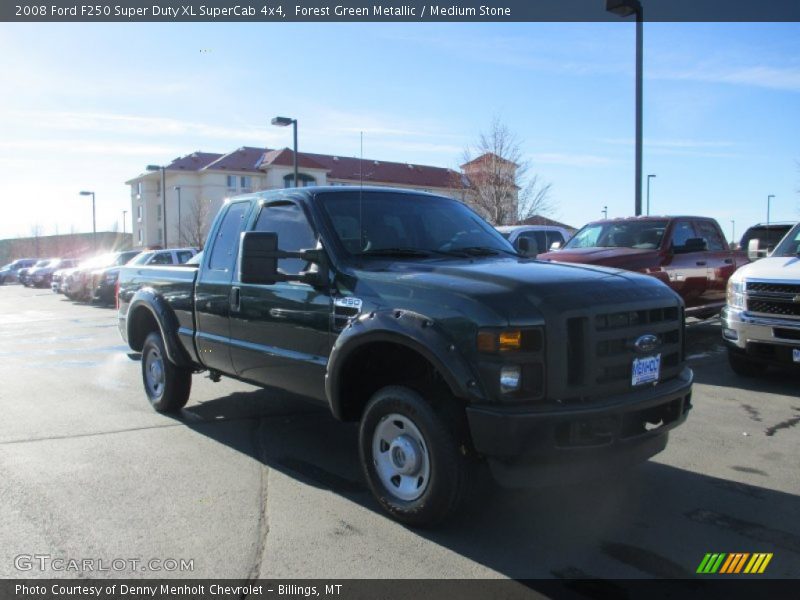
[
  {"x": 167, "y": 386},
  {"x": 744, "y": 366},
  {"x": 411, "y": 457}
]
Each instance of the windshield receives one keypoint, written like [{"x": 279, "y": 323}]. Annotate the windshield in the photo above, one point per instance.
[
  {"x": 644, "y": 235},
  {"x": 790, "y": 245},
  {"x": 389, "y": 224}
]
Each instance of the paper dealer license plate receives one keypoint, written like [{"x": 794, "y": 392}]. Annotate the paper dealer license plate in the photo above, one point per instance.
[{"x": 646, "y": 369}]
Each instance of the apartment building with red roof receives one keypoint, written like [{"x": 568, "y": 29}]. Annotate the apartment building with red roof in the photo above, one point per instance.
[{"x": 198, "y": 183}]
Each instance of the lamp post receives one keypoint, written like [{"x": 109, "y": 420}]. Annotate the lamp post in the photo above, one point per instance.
[
  {"x": 124, "y": 214},
  {"x": 733, "y": 231},
  {"x": 626, "y": 8},
  {"x": 605, "y": 212},
  {"x": 649, "y": 177},
  {"x": 180, "y": 233},
  {"x": 283, "y": 122},
  {"x": 768, "y": 199},
  {"x": 163, "y": 196},
  {"x": 94, "y": 220}
]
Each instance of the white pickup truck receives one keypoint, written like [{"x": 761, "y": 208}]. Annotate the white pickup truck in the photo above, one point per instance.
[{"x": 761, "y": 321}]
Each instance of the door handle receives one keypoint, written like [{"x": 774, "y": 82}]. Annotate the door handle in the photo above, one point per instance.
[
  {"x": 701, "y": 263},
  {"x": 728, "y": 261},
  {"x": 236, "y": 299}
]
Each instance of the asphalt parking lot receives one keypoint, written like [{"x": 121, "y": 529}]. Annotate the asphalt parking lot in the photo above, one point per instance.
[{"x": 249, "y": 483}]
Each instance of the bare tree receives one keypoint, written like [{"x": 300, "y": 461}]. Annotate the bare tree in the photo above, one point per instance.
[
  {"x": 496, "y": 178},
  {"x": 194, "y": 228}
]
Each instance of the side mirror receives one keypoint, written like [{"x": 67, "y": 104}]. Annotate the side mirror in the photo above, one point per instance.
[
  {"x": 691, "y": 245},
  {"x": 258, "y": 261},
  {"x": 753, "y": 252},
  {"x": 555, "y": 246},
  {"x": 523, "y": 246},
  {"x": 259, "y": 255}
]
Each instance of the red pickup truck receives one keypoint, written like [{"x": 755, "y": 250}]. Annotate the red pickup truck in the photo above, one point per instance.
[{"x": 689, "y": 254}]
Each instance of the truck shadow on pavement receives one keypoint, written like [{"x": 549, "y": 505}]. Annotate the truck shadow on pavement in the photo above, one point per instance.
[{"x": 655, "y": 521}]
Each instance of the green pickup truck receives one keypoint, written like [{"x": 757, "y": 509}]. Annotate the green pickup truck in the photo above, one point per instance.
[{"x": 408, "y": 313}]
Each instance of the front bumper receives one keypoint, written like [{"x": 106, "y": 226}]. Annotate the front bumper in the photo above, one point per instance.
[
  {"x": 770, "y": 339},
  {"x": 561, "y": 444}
]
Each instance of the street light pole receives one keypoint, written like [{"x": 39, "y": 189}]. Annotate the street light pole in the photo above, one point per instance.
[
  {"x": 283, "y": 122},
  {"x": 626, "y": 8},
  {"x": 648, "y": 193},
  {"x": 163, "y": 170},
  {"x": 605, "y": 212},
  {"x": 733, "y": 231},
  {"x": 94, "y": 220},
  {"x": 124, "y": 214},
  {"x": 180, "y": 232},
  {"x": 768, "y": 199}
]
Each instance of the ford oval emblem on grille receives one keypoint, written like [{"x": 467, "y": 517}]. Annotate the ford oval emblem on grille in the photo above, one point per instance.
[
  {"x": 647, "y": 343},
  {"x": 796, "y": 299}
]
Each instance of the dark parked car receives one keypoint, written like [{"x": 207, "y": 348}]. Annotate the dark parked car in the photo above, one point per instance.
[
  {"x": 408, "y": 313},
  {"x": 42, "y": 276},
  {"x": 10, "y": 272},
  {"x": 768, "y": 236},
  {"x": 26, "y": 275}
]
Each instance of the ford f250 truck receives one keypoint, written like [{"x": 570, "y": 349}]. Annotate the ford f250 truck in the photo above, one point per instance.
[
  {"x": 689, "y": 254},
  {"x": 761, "y": 321},
  {"x": 408, "y": 313}
]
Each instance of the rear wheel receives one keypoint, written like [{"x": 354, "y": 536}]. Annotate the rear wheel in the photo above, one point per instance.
[
  {"x": 167, "y": 386},
  {"x": 744, "y": 366},
  {"x": 411, "y": 457}
]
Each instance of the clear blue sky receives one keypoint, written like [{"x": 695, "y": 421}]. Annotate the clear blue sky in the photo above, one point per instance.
[{"x": 87, "y": 106}]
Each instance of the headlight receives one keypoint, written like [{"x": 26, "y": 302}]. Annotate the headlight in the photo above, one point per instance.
[{"x": 735, "y": 294}]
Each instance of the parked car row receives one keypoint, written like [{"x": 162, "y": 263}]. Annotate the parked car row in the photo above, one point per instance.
[{"x": 91, "y": 279}]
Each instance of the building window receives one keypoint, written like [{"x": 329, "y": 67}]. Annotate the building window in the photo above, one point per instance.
[
  {"x": 138, "y": 189},
  {"x": 160, "y": 235},
  {"x": 140, "y": 238},
  {"x": 158, "y": 188},
  {"x": 304, "y": 180},
  {"x": 231, "y": 182},
  {"x": 246, "y": 183},
  {"x": 158, "y": 212},
  {"x": 139, "y": 216}
]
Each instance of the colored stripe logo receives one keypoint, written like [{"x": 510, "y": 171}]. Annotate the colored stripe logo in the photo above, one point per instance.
[{"x": 734, "y": 563}]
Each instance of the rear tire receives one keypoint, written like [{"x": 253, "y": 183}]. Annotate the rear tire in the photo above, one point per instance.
[
  {"x": 744, "y": 366},
  {"x": 412, "y": 458},
  {"x": 167, "y": 386}
]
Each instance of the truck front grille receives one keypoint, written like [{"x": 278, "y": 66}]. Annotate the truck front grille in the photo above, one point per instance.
[
  {"x": 773, "y": 298},
  {"x": 600, "y": 351}
]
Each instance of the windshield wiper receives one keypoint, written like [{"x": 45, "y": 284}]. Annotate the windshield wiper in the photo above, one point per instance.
[{"x": 400, "y": 252}]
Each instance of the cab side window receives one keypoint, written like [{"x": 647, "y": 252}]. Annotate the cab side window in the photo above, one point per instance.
[
  {"x": 682, "y": 232},
  {"x": 226, "y": 241},
  {"x": 710, "y": 234},
  {"x": 294, "y": 232}
]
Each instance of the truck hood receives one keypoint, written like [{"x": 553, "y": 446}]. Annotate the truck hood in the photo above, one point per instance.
[
  {"x": 508, "y": 290},
  {"x": 612, "y": 257},
  {"x": 775, "y": 267}
]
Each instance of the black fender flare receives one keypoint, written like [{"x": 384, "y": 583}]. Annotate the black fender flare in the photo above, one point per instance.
[
  {"x": 406, "y": 328},
  {"x": 147, "y": 299}
]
